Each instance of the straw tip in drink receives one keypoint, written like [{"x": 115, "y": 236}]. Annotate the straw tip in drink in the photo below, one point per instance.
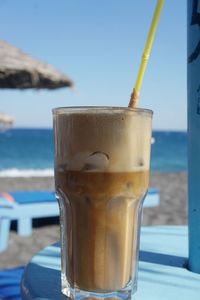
[{"x": 134, "y": 99}]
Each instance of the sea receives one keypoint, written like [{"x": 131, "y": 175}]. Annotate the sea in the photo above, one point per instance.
[{"x": 29, "y": 152}]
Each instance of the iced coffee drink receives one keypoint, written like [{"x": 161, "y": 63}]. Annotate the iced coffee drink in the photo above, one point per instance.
[{"x": 101, "y": 176}]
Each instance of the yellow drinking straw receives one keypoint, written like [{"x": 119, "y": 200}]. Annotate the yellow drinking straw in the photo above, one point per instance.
[{"x": 146, "y": 54}]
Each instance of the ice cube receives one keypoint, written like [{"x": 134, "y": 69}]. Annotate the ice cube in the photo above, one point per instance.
[
  {"x": 97, "y": 161},
  {"x": 78, "y": 161}
]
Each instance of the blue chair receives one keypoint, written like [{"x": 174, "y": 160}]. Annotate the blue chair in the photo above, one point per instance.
[{"x": 10, "y": 283}]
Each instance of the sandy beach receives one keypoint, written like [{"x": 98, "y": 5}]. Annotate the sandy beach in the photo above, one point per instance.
[{"x": 172, "y": 210}]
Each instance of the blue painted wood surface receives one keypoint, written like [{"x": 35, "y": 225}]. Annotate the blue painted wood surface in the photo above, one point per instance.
[
  {"x": 162, "y": 269},
  {"x": 194, "y": 133}
]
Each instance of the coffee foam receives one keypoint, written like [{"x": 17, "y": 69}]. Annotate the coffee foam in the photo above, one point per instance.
[{"x": 122, "y": 141}]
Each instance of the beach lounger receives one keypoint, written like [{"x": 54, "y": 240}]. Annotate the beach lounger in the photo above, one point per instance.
[{"x": 24, "y": 206}]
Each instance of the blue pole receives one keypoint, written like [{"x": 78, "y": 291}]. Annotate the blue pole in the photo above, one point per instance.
[{"x": 194, "y": 134}]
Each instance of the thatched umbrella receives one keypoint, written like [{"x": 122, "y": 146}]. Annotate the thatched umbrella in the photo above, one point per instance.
[
  {"x": 5, "y": 121},
  {"x": 19, "y": 70}
]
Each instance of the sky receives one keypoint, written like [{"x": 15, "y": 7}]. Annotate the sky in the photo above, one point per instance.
[{"x": 98, "y": 44}]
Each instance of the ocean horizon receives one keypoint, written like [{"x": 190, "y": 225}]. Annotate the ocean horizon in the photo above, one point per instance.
[{"x": 28, "y": 152}]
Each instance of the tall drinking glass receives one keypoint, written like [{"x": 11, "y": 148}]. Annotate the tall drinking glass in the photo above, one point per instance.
[{"x": 101, "y": 177}]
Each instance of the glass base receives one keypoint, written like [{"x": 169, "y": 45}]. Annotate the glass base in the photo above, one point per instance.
[{"x": 77, "y": 294}]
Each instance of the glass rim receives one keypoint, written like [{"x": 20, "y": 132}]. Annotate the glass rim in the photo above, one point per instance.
[{"x": 95, "y": 109}]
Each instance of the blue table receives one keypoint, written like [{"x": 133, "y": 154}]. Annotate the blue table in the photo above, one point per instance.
[{"x": 163, "y": 273}]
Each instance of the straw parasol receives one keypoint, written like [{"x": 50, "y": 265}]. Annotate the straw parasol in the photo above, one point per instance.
[{"x": 19, "y": 70}]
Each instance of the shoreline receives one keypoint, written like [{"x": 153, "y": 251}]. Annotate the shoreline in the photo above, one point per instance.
[{"x": 14, "y": 183}]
